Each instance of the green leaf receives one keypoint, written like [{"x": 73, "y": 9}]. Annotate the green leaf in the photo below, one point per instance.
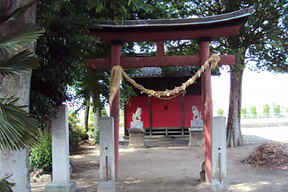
[
  {"x": 5, "y": 185},
  {"x": 20, "y": 62},
  {"x": 18, "y": 130},
  {"x": 19, "y": 37}
]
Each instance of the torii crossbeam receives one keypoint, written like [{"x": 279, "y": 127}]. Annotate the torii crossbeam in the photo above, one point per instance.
[{"x": 202, "y": 29}]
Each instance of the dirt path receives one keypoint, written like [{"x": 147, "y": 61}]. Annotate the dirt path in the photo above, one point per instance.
[{"x": 174, "y": 169}]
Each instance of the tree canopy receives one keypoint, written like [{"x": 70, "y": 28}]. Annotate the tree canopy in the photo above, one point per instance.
[{"x": 65, "y": 47}]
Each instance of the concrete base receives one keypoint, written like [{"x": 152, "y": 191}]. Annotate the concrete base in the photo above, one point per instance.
[
  {"x": 216, "y": 185},
  {"x": 61, "y": 187},
  {"x": 136, "y": 137},
  {"x": 106, "y": 186},
  {"x": 196, "y": 137}
]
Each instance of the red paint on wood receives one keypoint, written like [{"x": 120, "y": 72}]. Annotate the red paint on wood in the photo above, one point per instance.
[
  {"x": 114, "y": 109},
  {"x": 134, "y": 102},
  {"x": 189, "y": 101},
  {"x": 166, "y": 113},
  {"x": 167, "y": 35},
  {"x": 208, "y": 110},
  {"x": 161, "y": 61},
  {"x": 160, "y": 48},
  {"x": 162, "y": 117},
  {"x": 227, "y": 60}
]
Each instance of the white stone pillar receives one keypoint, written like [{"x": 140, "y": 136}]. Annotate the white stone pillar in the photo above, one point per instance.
[
  {"x": 219, "y": 177},
  {"x": 107, "y": 155},
  {"x": 60, "y": 153}
]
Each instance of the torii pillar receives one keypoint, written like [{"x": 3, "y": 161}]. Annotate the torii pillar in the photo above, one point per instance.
[
  {"x": 114, "y": 108},
  {"x": 207, "y": 106}
]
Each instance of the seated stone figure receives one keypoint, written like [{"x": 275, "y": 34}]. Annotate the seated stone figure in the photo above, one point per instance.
[
  {"x": 137, "y": 115},
  {"x": 196, "y": 113}
]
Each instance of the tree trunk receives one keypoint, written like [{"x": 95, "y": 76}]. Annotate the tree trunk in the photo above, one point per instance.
[
  {"x": 17, "y": 162},
  {"x": 234, "y": 135},
  {"x": 86, "y": 116},
  {"x": 96, "y": 119}
]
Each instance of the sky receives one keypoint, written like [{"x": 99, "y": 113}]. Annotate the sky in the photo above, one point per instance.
[{"x": 258, "y": 90}]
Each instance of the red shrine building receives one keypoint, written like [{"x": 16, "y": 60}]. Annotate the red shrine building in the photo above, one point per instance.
[
  {"x": 165, "y": 116},
  {"x": 168, "y": 114}
]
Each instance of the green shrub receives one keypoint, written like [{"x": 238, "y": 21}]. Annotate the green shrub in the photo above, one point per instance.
[
  {"x": 266, "y": 110},
  {"x": 41, "y": 154},
  {"x": 91, "y": 133},
  {"x": 76, "y": 135},
  {"x": 74, "y": 138},
  {"x": 253, "y": 112},
  {"x": 244, "y": 111},
  {"x": 76, "y": 132},
  {"x": 277, "y": 110},
  {"x": 97, "y": 138},
  {"x": 220, "y": 112}
]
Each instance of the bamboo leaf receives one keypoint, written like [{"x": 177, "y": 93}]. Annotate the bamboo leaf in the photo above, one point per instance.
[
  {"x": 19, "y": 37},
  {"x": 18, "y": 130},
  {"x": 20, "y": 62},
  {"x": 5, "y": 185}
]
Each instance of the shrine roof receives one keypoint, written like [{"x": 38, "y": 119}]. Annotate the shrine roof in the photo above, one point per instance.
[
  {"x": 178, "y": 71},
  {"x": 226, "y": 24}
]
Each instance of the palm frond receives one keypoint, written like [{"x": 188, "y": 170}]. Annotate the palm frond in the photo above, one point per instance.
[
  {"x": 5, "y": 185},
  {"x": 15, "y": 14},
  {"x": 20, "y": 62},
  {"x": 19, "y": 37},
  {"x": 18, "y": 130}
]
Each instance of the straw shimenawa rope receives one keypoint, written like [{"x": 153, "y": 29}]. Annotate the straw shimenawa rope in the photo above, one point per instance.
[{"x": 117, "y": 72}]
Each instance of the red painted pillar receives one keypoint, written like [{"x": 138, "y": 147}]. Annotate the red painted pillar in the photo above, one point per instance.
[
  {"x": 160, "y": 48},
  {"x": 114, "y": 109},
  {"x": 207, "y": 108}
]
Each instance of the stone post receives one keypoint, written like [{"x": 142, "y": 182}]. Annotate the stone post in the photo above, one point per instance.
[
  {"x": 107, "y": 155},
  {"x": 136, "y": 137},
  {"x": 219, "y": 177},
  {"x": 60, "y": 153}
]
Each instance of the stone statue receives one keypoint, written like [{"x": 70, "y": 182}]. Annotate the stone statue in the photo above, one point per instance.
[
  {"x": 196, "y": 113},
  {"x": 137, "y": 115}
]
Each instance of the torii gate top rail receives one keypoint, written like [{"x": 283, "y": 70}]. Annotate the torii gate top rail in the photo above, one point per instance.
[{"x": 172, "y": 29}]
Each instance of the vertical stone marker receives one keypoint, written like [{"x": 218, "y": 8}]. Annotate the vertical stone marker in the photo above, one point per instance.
[
  {"x": 60, "y": 154},
  {"x": 107, "y": 155},
  {"x": 219, "y": 176}
]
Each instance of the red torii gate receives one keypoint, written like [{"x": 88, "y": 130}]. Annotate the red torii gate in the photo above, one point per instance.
[{"x": 202, "y": 29}]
